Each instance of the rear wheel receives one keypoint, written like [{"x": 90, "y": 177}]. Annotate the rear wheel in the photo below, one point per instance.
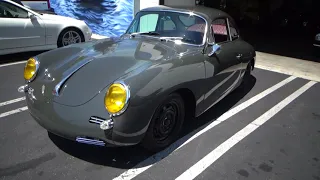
[
  {"x": 165, "y": 124},
  {"x": 247, "y": 74},
  {"x": 70, "y": 36}
]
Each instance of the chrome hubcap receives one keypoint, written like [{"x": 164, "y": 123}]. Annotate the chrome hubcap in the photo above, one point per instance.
[{"x": 71, "y": 37}]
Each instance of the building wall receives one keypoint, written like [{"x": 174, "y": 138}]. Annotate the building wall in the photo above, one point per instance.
[
  {"x": 104, "y": 17},
  {"x": 179, "y": 2}
]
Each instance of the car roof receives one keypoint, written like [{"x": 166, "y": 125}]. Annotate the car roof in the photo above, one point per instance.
[{"x": 206, "y": 12}]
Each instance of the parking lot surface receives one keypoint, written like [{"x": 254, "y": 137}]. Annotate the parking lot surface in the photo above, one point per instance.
[{"x": 268, "y": 130}]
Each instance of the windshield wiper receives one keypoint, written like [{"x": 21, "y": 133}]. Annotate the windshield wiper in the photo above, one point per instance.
[{"x": 152, "y": 33}]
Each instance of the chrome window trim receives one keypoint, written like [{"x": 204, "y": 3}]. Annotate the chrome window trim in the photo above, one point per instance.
[
  {"x": 228, "y": 26},
  {"x": 189, "y": 13}
]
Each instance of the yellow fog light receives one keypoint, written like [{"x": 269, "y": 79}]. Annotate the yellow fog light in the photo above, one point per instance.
[
  {"x": 31, "y": 69},
  {"x": 116, "y": 98}
]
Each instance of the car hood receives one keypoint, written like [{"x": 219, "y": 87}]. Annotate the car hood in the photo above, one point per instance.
[{"x": 83, "y": 70}]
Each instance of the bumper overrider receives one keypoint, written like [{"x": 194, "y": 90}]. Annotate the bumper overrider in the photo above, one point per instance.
[{"x": 83, "y": 123}]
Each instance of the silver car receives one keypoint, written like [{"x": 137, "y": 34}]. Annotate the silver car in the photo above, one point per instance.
[{"x": 25, "y": 30}]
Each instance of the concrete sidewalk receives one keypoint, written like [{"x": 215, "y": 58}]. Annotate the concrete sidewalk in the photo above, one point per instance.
[
  {"x": 290, "y": 66},
  {"x": 281, "y": 64}
]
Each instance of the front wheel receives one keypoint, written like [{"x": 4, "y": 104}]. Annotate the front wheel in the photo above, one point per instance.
[
  {"x": 70, "y": 36},
  {"x": 165, "y": 124}
]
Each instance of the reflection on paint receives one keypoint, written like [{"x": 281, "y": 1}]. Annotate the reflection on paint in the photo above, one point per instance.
[{"x": 104, "y": 17}]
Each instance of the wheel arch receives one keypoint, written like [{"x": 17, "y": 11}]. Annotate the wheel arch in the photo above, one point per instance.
[{"x": 189, "y": 101}]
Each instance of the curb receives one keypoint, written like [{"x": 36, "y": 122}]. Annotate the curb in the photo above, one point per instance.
[
  {"x": 97, "y": 36},
  {"x": 287, "y": 65}
]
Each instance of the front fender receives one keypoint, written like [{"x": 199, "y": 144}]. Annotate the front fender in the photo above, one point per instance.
[{"x": 149, "y": 87}]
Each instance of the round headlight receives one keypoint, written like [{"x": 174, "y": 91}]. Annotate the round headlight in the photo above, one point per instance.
[
  {"x": 31, "y": 69},
  {"x": 116, "y": 98}
]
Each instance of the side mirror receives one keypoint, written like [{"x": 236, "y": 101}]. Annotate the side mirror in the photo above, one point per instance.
[
  {"x": 214, "y": 49},
  {"x": 31, "y": 16}
]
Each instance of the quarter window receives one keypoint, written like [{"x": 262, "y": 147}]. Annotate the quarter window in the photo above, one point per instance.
[
  {"x": 11, "y": 11},
  {"x": 233, "y": 31},
  {"x": 220, "y": 31}
]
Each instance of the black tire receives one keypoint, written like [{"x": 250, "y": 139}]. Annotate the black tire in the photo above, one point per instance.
[
  {"x": 172, "y": 108},
  {"x": 247, "y": 74},
  {"x": 59, "y": 42}
]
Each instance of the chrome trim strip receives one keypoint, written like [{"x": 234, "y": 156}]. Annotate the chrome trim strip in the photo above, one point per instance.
[
  {"x": 218, "y": 85},
  {"x": 189, "y": 13},
  {"x": 58, "y": 86},
  {"x": 18, "y": 38},
  {"x": 317, "y": 45},
  {"x": 228, "y": 91},
  {"x": 96, "y": 118},
  {"x": 96, "y": 122}
]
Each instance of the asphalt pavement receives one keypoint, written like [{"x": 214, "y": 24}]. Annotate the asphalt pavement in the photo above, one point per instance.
[{"x": 268, "y": 130}]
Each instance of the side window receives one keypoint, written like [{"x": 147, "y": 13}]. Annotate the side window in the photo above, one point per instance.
[
  {"x": 11, "y": 11},
  {"x": 233, "y": 31},
  {"x": 187, "y": 20},
  {"x": 220, "y": 31},
  {"x": 148, "y": 22}
]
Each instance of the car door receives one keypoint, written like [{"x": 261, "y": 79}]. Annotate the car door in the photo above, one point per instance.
[
  {"x": 18, "y": 30},
  {"x": 224, "y": 66}
]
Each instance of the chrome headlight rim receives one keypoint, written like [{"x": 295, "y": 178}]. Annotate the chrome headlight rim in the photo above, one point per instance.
[
  {"x": 128, "y": 96},
  {"x": 36, "y": 71}
]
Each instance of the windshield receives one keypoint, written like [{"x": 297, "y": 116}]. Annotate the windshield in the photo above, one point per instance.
[{"x": 188, "y": 28}]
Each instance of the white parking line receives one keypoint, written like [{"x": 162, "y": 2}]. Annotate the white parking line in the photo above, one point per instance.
[
  {"x": 209, "y": 159},
  {"x": 149, "y": 162},
  {"x": 12, "y": 101},
  {"x": 13, "y": 112},
  {"x": 9, "y": 64}
]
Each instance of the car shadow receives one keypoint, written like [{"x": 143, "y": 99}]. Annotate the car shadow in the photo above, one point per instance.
[{"x": 128, "y": 157}]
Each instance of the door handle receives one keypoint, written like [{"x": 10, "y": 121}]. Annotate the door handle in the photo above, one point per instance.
[{"x": 239, "y": 56}]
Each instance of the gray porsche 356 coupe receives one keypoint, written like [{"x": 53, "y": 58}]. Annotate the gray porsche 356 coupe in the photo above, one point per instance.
[{"x": 170, "y": 64}]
